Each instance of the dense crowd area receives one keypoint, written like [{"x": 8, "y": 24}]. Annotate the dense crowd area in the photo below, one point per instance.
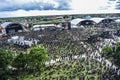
[
  {"x": 74, "y": 54},
  {"x": 76, "y": 69},
  {"x": 46, "y": 36}
]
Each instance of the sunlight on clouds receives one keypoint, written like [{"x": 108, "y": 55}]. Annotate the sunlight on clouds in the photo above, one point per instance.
[
  {"x": 34, "y": 1},
  {"x": 17, "y": 8},
  {"x": 34, "y": 5},
  {"x": 57, "y": 5},
  {"x": 88, "y": 4}
]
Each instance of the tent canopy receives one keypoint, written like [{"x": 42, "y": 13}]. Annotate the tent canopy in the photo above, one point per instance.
[
  {"x": 76, "y": 21},
  {"x": 79, "y": 22},
  {"x": 97, "y": 20},
  {"x": 102, "y": 20},
  {"x": 12, "y": 27}
]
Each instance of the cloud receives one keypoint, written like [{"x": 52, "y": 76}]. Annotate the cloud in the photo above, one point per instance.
[
  {"x": 90, "y": 4},
  {"x": 117, "y": 4},
  {"x": 17, "y": 8},
  {"x": 12, "y": 5}
]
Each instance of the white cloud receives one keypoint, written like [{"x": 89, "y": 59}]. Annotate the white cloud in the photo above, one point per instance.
[
  {"x": 17, "y": 8},
  {"x": 89, "y": 4},
  {"x": 12, "y": 5}
]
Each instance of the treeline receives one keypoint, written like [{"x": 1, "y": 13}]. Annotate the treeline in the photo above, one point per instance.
[{"x": 49, "y": 18}]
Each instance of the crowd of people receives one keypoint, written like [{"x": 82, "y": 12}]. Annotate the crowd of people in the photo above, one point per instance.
[
  {"x": 71, "y": 55},
  {"x": 77, "y": 69}
]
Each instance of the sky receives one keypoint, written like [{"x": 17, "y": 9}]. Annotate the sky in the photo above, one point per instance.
[{"x": 18, "y": 8}]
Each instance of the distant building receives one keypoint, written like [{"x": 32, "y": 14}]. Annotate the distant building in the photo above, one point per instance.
[
  {"x": 118, "y": 20},
  {"x": 66, "y": 25},
  {"x": 42, "y": 27},
  {"x": 11, "y": 27},
  {"x": 81, "y": 22},
  {"x": 102, "y": 20}
]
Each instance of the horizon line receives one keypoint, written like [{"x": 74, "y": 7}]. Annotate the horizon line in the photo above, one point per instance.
[{"x": 32, "y": 13}]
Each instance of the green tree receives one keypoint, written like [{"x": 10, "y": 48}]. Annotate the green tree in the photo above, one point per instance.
[
  {"x": 30, "y": 25},
  {"x": 37, "y": 57},
  {"x": 30, "y": 61},
  {"x": 20, "y": 61},
  {"x": 116, "y": 54},
  {"x": 6, "y": 58},
  {"x": 117, "y": 49},
  {"x": 113, "y": 52},
  {"x": 108, "y": 50}
]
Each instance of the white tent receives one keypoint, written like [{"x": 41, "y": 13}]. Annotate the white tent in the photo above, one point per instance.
[
  {"x": 103, "y": 20},
  {"x": 42, "y": 27},
  {"x": 97, "y": 20},
  {"x": 75, "y": 22},
  {"x": 4, "y": 25},
  {"x": 81, "y": 22},
  {"x": 11, "y": 27},
  {"x": 36, "y": 26},
  {"x": 14, "y": 37},
  {"x": 118, "y": 20}
]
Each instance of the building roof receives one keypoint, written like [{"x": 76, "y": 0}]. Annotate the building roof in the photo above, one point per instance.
[
  {"x": 76, "y": 21},
  {"x": 36, "y": 26},
  {"x": 43, "y": 25},
  {"x": 118, "y": 20},
  {"x": 97, "y": 20},
  {"x": 4, "y": 25},
  {"x": 47, "y": 25}
]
